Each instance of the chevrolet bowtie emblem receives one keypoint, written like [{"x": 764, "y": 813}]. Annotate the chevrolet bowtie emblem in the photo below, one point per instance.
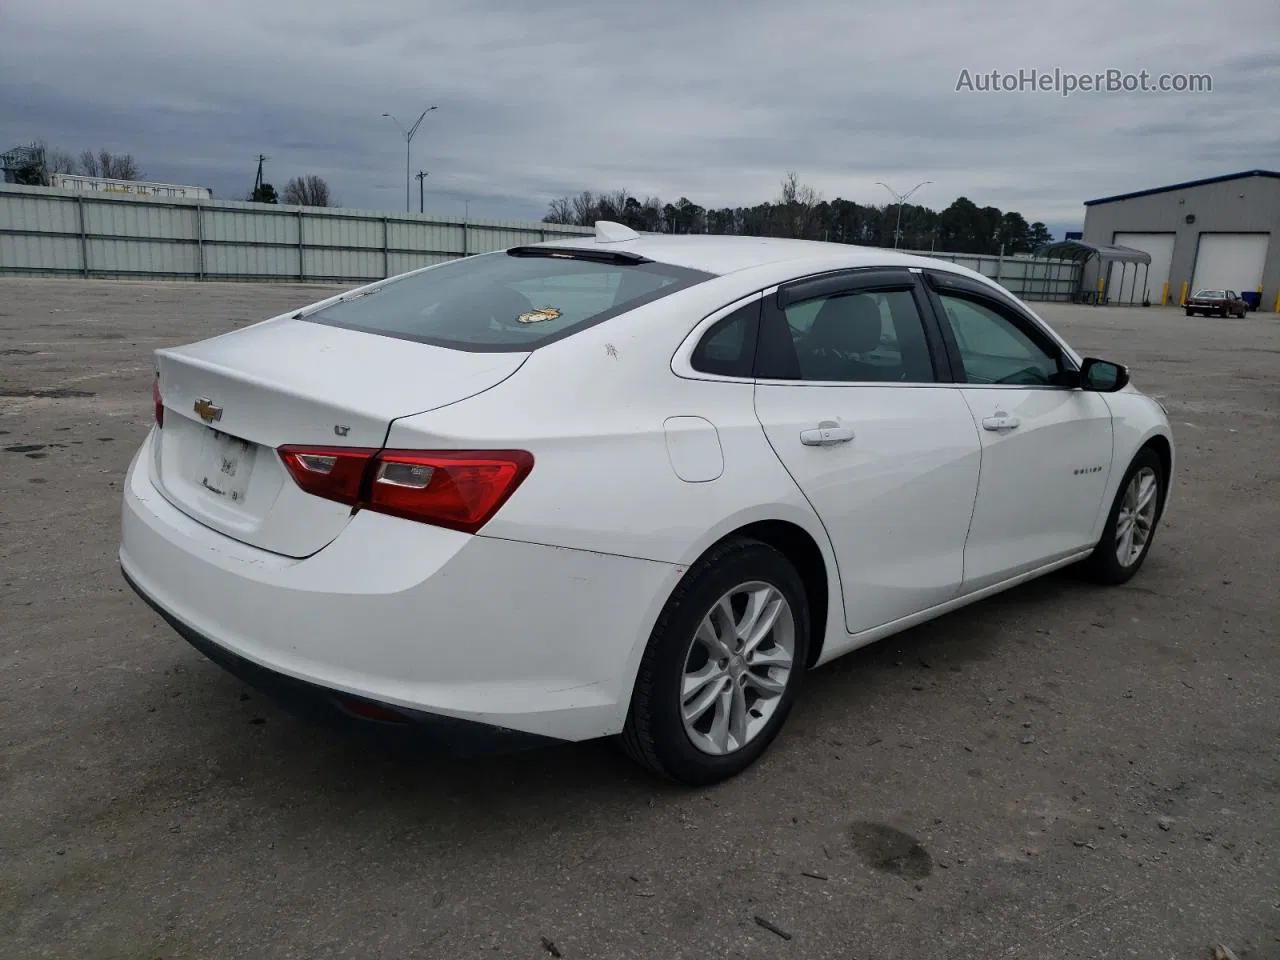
[{"x": 207, "y": 411}]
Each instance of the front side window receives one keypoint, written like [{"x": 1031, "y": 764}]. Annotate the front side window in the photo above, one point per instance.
[
  {"x": 857, "y": 336},
  {"x": 993, "y": 347},
  {"x": 507, "y": 301}
]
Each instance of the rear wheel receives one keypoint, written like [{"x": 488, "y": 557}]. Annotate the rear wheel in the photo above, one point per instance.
[
  {"x": 1191, "y": 313},
  {"x": 1131, "y": 524},
  {"x": 723, "y": 666}
]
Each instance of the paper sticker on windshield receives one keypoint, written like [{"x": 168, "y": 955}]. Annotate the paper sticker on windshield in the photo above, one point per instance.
[{"x": 538, "y": 316}]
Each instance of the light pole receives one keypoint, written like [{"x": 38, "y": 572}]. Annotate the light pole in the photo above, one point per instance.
[
  {"x": 901, "y": 198},
  {"x": 408, "y": 139}
]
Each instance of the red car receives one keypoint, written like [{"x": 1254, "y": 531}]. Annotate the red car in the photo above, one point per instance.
[{"x": 1220, "y": 303}]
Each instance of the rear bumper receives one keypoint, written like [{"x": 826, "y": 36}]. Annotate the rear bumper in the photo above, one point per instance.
[
  {"x": 441, "y": 625},
  {"x": 343, "y": 711}
]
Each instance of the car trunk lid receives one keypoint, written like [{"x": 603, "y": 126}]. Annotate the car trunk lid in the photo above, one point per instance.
[{"x": 230, "y": 401}]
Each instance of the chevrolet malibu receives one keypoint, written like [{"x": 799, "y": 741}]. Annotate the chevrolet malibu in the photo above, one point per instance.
[{"x": 623, "y": 486}]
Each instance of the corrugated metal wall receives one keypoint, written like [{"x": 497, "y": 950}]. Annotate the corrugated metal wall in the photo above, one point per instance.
[{"x": 65, "y": 233}]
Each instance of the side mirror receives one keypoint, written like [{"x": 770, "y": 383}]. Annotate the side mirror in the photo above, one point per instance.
[{"x": 1102, "y": 376}]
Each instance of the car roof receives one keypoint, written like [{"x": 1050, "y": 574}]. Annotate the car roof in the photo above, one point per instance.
[{"x": 721, "y": 255}]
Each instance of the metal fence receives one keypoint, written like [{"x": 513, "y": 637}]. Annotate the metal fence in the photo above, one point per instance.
[
  {"x": 1030, "y": 278},
  {"x": 54, "y": 232}
]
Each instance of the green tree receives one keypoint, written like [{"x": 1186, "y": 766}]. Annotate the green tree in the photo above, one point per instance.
[
  {"x": 798, "y": 211},
  {"x": 1014, "y": 234},
  {"x": 264, "y": 194},
  {"x": 1038, "y": 236}
]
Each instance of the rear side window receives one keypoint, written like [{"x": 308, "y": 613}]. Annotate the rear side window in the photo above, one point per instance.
[
  {"x": 728, "y": 349},
  {"x": 860, "y": 337},
  {"x": 511, "y": 301}
]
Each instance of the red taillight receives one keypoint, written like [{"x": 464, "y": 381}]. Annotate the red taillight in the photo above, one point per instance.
[
  {"x": 459, "y": 489},
  {"x": 157, "y": 401},
  {"x": 335, "y": 473}
]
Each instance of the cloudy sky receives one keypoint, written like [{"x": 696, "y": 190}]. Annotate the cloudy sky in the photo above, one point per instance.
[{"x": 709, "y": 99}]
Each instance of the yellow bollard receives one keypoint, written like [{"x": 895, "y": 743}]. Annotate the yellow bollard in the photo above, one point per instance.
[
  {"x": 1164, "y": 294},
  {"x": 1277, "y": 306},
  {"x": 1183, "y": 301}
]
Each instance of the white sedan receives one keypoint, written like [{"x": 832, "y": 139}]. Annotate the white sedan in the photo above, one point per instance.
[{"x": 623, "y": 485}]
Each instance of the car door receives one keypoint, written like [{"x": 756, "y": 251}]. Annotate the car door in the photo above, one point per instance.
[
  {"x": 1046, "y": 444},
  {"x": 847, "y": 392}
]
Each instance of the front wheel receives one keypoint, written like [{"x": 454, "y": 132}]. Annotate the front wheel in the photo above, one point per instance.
[
  {"x": 723, "y": 666},
  {"x": 1131, "y": 524}
]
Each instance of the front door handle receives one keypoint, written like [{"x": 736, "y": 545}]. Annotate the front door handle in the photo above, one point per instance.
[
  {"x": 826, "y": 434},
  {"x": 1001, "y": 421}
]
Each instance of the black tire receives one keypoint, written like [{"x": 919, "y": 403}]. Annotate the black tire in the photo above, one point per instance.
[
  {"x": 1103, "y": 565},
  {"x": 655, "y": 735},
  {"x": 1191, "y": 313}
]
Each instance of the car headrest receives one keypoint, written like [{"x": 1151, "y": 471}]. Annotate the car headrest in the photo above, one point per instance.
[{"x": 849, "y": 324}]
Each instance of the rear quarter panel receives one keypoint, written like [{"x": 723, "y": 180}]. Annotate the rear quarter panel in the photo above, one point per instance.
[{"x": 592, "y": 408}]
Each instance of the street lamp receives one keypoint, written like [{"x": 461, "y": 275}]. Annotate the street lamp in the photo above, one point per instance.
[
  {"x": 408, "y": 139},
  {"x": 901, "y": 198}
]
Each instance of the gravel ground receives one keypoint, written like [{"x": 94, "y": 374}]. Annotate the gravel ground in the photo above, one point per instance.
[{"x": 1063, "y": 771}]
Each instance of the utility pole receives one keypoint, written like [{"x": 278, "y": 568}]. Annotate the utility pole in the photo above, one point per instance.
[
  {"x": 901, "y": 198},
  {"x": 408, "y": 139},
  {"x": 257, "y": 182},
  {"x": 421, "y": 175}
]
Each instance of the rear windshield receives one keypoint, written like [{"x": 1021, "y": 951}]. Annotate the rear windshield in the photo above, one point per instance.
[
  {"x": 509, "y": 301},
  {"x": 1211, "y": 294}
]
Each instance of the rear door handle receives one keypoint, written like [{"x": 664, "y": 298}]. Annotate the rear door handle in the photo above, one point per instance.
[
  {"x": 1001, "y": 421},
  {"x": 826, "y": 434}
]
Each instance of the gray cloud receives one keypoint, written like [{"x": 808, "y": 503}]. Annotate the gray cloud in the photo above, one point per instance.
[{"x": 712, "y": 100}]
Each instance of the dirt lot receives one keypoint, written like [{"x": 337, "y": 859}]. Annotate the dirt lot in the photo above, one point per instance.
[{"x": 1064, "y": 771}]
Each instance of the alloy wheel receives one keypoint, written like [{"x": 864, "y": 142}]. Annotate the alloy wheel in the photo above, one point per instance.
[
  {"x": 1137, "y": 516},
  {"x": 737, "y": 668}
]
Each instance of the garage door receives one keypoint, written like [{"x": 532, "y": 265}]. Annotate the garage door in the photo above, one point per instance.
[
  {"x": 1160, "y": 246},
  {"x": 1230, "y": 261}
]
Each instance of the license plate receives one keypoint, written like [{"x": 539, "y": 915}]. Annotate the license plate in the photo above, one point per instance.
[{"x": 226, "y": 465}]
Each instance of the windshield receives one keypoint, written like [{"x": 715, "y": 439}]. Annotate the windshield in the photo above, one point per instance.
[
  {"x": 509, "y": 301},
  {"x": 1210, "y": 295}
]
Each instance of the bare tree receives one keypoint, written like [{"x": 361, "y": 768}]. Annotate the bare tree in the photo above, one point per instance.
[
  {"x": 119, "y": 166},
  {"x": 798, "y": 205},
  {"x": 585, "y": 207},
  {"x": 113, "y": 166},
  {"x": 308, "y": 191},
  {"x": 612, "y": 206},
  {"x": 559, "y": 211},
  {"x": 59, "y": 161}
]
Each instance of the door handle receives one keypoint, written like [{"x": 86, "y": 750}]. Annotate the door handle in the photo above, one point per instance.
[
  {"x": 1001, "y": 421},
  {"x": 826, "y": 434}
]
